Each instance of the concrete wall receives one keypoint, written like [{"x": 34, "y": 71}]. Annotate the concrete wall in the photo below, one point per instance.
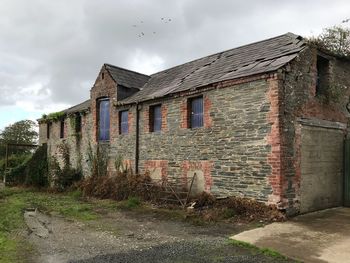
[{"x": 321, "y": 184}]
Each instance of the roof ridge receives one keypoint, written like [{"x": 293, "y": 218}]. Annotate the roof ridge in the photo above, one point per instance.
[
  {"x": 289, "y": 34},
  {"x": 113, "y": 66}
]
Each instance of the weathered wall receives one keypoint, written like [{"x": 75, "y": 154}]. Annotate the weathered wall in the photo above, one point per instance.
[
  {"x": 321, "y": 184},
  {"x": 299, "y": 100},
  {"x": 42, "y": 132},
  {"x": 229, "y": 154}
]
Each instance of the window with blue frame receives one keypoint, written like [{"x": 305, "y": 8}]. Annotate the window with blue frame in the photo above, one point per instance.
[
  {"x": 196, "y": 112},
  {"x": 123, "y": 122},
  {"x": 155, "y": 118},
  {"x": 104, "y": 120}
]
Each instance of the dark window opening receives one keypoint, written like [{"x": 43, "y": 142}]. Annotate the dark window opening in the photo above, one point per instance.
[
  {"x": 155, "y": 118},
  {"x": 48, "y": 130},
  {"x": 103, "y": 75},
  {"x": 103, "y": 121},
  {"x": 195, "y": 109},
  {"x": 123, "y": 122},
  {"x": 62, "y": 129},
  {"x": 322, "y": 79},
  {"x": 77, "y": 123}
]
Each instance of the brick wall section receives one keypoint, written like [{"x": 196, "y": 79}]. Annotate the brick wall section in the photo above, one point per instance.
[
  {"x": 184, "y": 114},
  {"x": 164, "y": 111},
  {"x": 151, "y": 165},
  {"x": 274, "y": 138},
  {"x": 104, "y": 87},
  {"x": 207, "y": 109}
]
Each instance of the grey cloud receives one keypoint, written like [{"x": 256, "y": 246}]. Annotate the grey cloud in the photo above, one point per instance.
[{"x": 62, "y": 44}]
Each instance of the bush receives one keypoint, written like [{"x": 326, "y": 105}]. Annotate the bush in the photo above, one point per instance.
[
  {"x": 33, "y": 171},
  {"x": 120, "y": 186},
  {"x": 37, "y": 173},
  {"x": 65, "y": 177},
  {"x": 14, "y": 161}
]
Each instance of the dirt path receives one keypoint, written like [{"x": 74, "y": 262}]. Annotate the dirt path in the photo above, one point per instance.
[{"x": 133, "y": 237}]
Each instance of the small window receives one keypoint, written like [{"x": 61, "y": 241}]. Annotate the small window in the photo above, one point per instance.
[
  {"x": 103, "y": 121},
  {"x": 155, "y": 118},
  {"x": 78, "y": 123},
  {"x": 48, "y": 126},
  {"x": 123, "y": 122},
  {"x": 195, "y": 109},
  {"x": 103, "y": 75},
  {"x": 322, "y": 80},
  {"x": 62, "y": 129}
]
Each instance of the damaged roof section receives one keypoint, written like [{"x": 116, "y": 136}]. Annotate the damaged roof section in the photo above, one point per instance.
[
  {"x": 127, "y": 78},
  {"x": 256, "y": 58},
  {"x": 84, "y": 106}
]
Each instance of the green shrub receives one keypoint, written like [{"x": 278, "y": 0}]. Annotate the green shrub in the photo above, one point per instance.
[
  {"x": 65, "y": 177},
  {"x": 33, "y": 171},
  {"x": 133, "y": 202},
  {"x": 37, "y": 168}
]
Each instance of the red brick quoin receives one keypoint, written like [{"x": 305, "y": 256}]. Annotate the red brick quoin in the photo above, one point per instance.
[{"x": 275, "y": 140}]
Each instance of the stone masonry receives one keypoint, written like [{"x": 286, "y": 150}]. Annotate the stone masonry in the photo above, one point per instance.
[{"x": 250, "y": 143}]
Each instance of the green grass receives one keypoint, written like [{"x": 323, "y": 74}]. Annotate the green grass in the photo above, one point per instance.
[
  {"x": 265, "y": 251},
  {"x": 14, "y": 201}
]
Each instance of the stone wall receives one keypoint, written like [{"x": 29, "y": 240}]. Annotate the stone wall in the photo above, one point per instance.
[
  {"x": 229, "y": 154},
  {"x": 78, "y": 143}
]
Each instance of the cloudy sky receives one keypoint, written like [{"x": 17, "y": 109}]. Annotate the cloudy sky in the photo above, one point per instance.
[{"x": 51, "y": 51}]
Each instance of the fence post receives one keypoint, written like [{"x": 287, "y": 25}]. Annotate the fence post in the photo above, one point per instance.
[{"x": 6, "y": 162}]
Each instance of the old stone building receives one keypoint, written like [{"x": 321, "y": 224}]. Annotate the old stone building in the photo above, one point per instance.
[{"x": 266, "y": 121}]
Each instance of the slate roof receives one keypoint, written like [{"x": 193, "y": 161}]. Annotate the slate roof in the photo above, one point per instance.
[
  {"x": 260, "y": 57},
  {"x": 256, "y": 58},
  {"x": 127, "y": 78},
  {"x": 78, "y": 108}
]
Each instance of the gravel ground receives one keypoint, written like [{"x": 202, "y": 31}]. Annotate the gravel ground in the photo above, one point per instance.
[
  {"x": 205, "y": 251},
  {"x": 135, "y": 237}
]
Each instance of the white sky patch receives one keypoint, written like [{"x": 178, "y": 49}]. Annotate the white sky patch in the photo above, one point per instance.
[{"x": 145, "y": 63}]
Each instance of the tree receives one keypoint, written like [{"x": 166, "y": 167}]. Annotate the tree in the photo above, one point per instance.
[
  {"x": 21, "y": 132},
  {"x": 335, "y": 39}
]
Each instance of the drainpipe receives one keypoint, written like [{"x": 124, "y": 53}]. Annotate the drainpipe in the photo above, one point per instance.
[{"x": 137, "y": 141}]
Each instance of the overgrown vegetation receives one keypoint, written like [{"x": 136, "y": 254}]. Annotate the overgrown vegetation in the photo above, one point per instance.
[
  {"x": 54, "y": 116},
  {"x": 33, "y": 171},
  {"x": 66, "y": 176},
  {"x": 123, "y": 184},
  {"x": 334, "y": 40}
]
